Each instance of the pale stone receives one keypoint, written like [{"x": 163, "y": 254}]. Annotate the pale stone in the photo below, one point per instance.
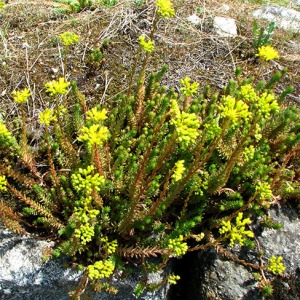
[
  {"x": 225, "y": 27},
  {"x": 194, "y": 19}
]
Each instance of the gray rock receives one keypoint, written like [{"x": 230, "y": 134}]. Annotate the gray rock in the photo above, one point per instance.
[
  {"x": 24, "y": 275},
  {"x": 225, "y": 27},
  {"x": 284, "y": 18},
  {"x": 297, "y": 2},
  {"x": 224, "y": 8},
  {"x": 194, "y": 19}
]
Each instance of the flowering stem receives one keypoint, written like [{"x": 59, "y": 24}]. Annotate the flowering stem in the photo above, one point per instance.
[
  {"x": 58, "y": 117},
  {"x": 155, "y": 205},
  {"x": 50, "y": 161},
  {"x": 24, "y": 133},
  {"x": 133, "y": 72},
  {"x": 96, "y": 157}
]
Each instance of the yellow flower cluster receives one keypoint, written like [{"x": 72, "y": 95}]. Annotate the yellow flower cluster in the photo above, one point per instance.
[
  {"x": 84, "y": 233},
  {"x": 21, "y": 96},
  {"x": 186, "y": 124},
  {"x": 93, "y": 135},
  {"x": 234, "y": 109},
  {"x": 248, "y": 153},
  {"x": 59, "y": 86},
  {"x": 265, "y": 103},
  {"x": 165, "y": 8},
  {"x": 275, "y": 265},
  {"x": 248, "y": 93},
  {"x": 188, "y": 89},
  {"x": 238, "y": 232},
  {"x": 179, "y": 170},
  {"x": 264, "y": 190},
  {"x": 47, "y": 116},
  {"x": 85, "y": 216},
  {"x": 109, "y": 246},
  {"x": 85, "y": 181},
  {"x": 146, "y": 46},
  {"x": 267, "y": 53},
  {"x": 172, "y": 279},
  {"x": 96, "y": 115},
  {"x": 177, "y": 246},
  {"x": 69, "y": 38},
  {"x": 100, "y": 269}
]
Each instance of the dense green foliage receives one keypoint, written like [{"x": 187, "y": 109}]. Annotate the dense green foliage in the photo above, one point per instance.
[{"x": 140, "y": 176}]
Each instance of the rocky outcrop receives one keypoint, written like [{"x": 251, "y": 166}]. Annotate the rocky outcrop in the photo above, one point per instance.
[
  {"x": 24, "y": 275},
  {"x": 212, "y": 276},
  {"x": 284, "y": 18}
]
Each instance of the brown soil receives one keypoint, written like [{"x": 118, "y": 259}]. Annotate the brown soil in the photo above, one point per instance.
[{"x": 32, "y": 53}]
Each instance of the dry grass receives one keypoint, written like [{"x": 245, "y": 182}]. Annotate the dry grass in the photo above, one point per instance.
[{"x": 32, "y": 55}]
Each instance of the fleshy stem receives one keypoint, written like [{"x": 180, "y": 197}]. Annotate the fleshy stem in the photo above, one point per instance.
[
  {"x": 141, "y": 80},
  {"x": 26, "y": 155},
  {"x": 216, "y": 243},
  {"x": 156, "y": 204},
  {"x": 81, "y": 287},
  {"x": 24, "y": 133},
  {"x": 64, "y": 139},
  {"x": 36, "y": 206},
  {"x": 133, "y": 71},
  {"x": 167, "y": 151},
  {"x": 231, "y": 162},
  {"x": 50, "y": 161},
  {"x": 136, "y": 191},
  {"x": 143, "y": 164},
  {"x": 276, "y": 177},
  {"x": 96, "y": 158},
  {"x": 58, "y": 117}
]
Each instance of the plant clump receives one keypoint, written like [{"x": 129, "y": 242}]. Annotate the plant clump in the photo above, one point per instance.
[{"x": 139, "y": 177}]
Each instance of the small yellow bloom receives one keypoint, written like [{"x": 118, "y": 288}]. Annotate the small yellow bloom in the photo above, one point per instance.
[
  {"x": 177, "y": 246},
  {"x": 188, "y": 89},
  {"x": 234, "y": 110},
  {"x": 146, "y": 46},
  {"x": 21, "y": 96},
  {"x": 55, "y": 87},
  {"x": 165, "y": 8},
  {"x": 93, "y": 135},
  {"x": 248, "y": 93},
  {"x": 96, "y": 115},
  {"x": 267, "y": 53},
  {"x": 186, "y": 124},
  {"x": 275, "y": 265},
  {"x": 172, "y": 279},
  {"x": 69, "y": 38},
  {"x": 46, "y": 117},
  {"x": 100, "y": 269},
  {"x": 179, "y": 170}
]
